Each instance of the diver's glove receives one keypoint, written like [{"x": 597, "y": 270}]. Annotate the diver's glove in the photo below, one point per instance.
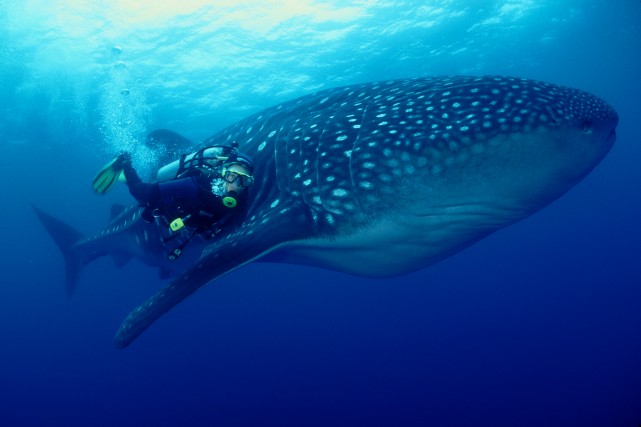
[{"x": 121, "y": 160}]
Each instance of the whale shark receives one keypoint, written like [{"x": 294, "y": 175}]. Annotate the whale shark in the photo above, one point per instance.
[{"x": 375, "y": 179}]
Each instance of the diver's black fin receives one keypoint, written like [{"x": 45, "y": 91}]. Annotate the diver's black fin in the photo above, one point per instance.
[{"x": 65, "y": 238}]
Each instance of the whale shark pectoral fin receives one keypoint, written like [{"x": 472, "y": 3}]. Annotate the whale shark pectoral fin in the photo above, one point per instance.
[{"x": 233, "y": 250}]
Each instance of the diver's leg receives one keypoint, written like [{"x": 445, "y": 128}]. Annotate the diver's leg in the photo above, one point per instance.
[{"x": 147, "y": 194}]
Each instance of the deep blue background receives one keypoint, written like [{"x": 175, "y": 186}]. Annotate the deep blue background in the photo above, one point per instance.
[{"x": 537, "y": 325}]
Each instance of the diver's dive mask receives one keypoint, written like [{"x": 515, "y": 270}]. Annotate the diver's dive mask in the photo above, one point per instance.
[{"x": 235, "y": 174}]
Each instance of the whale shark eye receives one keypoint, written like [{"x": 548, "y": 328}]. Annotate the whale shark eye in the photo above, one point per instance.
[{"x": 586, "y": 127}]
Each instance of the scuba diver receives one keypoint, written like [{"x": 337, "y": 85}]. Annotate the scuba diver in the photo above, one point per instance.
[{"x": 200, "y": 192}]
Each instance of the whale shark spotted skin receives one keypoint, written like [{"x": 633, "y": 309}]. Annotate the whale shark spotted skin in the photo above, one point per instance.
[{"x": 378, "y": 179}]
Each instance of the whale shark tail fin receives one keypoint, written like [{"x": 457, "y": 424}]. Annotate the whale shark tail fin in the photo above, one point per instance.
[{"x": 65, "y": 238}]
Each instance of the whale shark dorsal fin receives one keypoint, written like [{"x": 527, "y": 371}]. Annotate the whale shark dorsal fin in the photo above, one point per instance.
[
  {"x": 167, "y": 145},
  {"x": 233, "y": 249}
]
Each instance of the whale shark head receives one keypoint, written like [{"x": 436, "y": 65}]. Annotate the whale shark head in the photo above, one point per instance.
[
  {"x": 385, "y": 178},
  {"x": 421, "y": 168}
]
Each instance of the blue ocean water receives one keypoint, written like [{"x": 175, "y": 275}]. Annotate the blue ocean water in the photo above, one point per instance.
[{"x": 537, "y": 325}]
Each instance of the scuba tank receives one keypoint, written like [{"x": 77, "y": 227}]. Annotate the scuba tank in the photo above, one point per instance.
[{"x": 208, "y": 158}]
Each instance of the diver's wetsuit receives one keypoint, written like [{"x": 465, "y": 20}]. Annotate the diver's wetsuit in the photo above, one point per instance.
[{"x": 190, "y": 198}]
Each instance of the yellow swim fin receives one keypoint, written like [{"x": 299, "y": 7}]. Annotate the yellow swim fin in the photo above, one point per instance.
[{"x": 107, "y": 176}]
